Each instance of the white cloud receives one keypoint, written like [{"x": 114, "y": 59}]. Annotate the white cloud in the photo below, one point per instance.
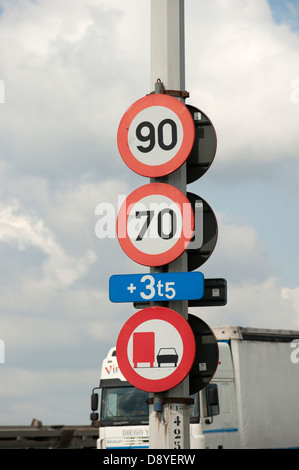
[
  {"x": 239, "y": 254},
  {"x": 240, "y": 76},
  {"x": 62, "y": 80},
  {"x": 255, "y": 304},
  {"x": 59, "y": 268},
  {"x": 71, "y": 69},
  {"x": 255, "y": 296},
  {"x": 291, "y": 298}
]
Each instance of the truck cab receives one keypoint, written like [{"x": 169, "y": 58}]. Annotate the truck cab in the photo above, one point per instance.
[
  {"x": 123, "y": 417},
  {"x": 219, "y": 416},
  {"x": 124, "y": 410},
  {"x": 239, "y": 407}
]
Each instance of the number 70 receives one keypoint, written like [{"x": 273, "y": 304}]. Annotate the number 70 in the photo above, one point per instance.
[{"x": 149, "y": 214}]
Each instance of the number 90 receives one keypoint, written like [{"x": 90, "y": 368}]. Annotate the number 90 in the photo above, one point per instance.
[{"x": 150, "y": 135}]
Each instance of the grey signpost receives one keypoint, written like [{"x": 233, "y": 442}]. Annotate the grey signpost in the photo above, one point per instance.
[
  {"x": 173, "y": 144},
  {"x": 169, "y": 415}
]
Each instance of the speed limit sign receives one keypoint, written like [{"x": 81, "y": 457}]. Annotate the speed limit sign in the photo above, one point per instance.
[
  {"x": 155, "y": 224},
  {"x": 156, "y": 135}
]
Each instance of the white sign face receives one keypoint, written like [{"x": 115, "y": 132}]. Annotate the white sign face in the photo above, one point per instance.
[
  {"x": 167, "y": 344},
  {"x": 155, "y": 224},
  {"x": 155, "y": 349},
  {"x": 156, "y": 135}
]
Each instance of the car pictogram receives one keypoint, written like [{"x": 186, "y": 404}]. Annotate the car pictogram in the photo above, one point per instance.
[{"x": 167, "y": 356}]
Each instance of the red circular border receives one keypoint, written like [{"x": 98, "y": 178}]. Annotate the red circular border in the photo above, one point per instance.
[
  {"x": 189, "y": 349},
  {"x": 188, "y": 130},
  {"x": 153, "y": 259}
]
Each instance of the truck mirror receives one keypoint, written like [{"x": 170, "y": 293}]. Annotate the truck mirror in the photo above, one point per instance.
[
  {"x": 212, "y": 396},
  {"x": 94, "y": 401},
  {"x": 94, "y": 416},
  {"x": 210, "y": 401}
]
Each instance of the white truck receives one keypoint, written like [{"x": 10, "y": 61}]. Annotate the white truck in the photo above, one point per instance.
[{"x": 252, "y": 400}]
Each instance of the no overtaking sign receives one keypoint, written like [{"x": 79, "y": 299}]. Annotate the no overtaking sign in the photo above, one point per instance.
[{"x": 155, "y": 349}]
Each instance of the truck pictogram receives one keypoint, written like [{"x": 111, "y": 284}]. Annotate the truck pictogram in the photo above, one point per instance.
[
  {"x": 144, "y": 351},
  {"x": 144, "y": 348}
]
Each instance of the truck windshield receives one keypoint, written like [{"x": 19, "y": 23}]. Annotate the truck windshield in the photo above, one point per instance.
[{"x": 123, "y": 405}]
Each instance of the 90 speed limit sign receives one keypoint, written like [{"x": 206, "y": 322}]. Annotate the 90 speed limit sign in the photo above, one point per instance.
[
  {"x": 155, "y": 224},
  {"x": 156, "y": 135}
]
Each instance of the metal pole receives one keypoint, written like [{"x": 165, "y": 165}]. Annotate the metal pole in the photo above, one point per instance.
[{"x": 169, "y": 413}]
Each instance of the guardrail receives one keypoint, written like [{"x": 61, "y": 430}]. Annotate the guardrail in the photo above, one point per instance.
[{"x": 38, "y": 436}]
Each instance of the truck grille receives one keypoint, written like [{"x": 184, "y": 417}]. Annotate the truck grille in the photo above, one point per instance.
[
  {"x": 126, "y": 442},
  {"x": 136, "y": 441}
]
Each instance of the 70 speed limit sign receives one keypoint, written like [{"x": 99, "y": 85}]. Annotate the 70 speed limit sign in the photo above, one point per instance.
[
  {"x": 156, "y": 135},
  {"x": 155, "y": 224}
]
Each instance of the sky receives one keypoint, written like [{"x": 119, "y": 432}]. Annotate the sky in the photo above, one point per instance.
[{"x": 68, "y": 72}]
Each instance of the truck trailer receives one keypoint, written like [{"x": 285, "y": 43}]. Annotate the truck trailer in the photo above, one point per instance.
[{"x": 251, "y": 402}]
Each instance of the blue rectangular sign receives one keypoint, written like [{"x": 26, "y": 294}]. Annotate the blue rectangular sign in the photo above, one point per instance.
[{"x": 156, "y": 287}]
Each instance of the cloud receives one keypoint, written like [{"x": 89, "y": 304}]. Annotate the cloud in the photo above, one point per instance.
[
  {"x": 71, "y": 69},
  {"x": 239, "y": 254},
  {"x": 291, "y": 299},
  {"x": 63, "y": 70},
  {"x": 255, "y": 296},
  {"x": 60, "y": 75},
  {"x": 255, "y": 304},
  {"x": 59, "y": 268},
  {"x": 241, "y": 77}
]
